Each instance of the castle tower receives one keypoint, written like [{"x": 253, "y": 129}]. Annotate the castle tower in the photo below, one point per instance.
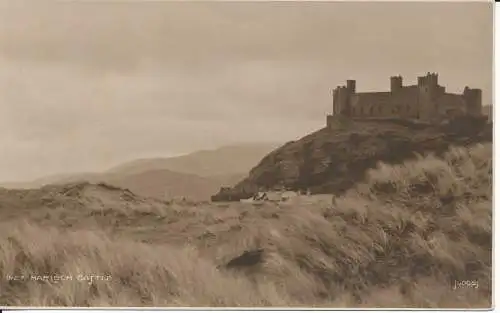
[
  {"x": 396, "y": 83},
  {"x": 341, "y": 97},
  {"x": 351, "y": 86},
  {"x": 428, "y": 89},
  {"x": 473, "y": 100},
  {"x": 335, "y": 102},
  {"x": 433, "y": 79},
  {"x": 430, "y": 80},
  {"x": 342, "y": 100}
]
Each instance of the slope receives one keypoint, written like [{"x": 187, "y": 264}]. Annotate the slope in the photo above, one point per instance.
[
  {"x": 400, "y": 238},
  {"x": 332, "y": 160},
  {"x": 226, "y": 160},
  {"x": 165, "y": 184}
]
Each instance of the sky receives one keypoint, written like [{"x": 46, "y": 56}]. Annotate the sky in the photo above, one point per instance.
[{"x": 86, "y": 85}]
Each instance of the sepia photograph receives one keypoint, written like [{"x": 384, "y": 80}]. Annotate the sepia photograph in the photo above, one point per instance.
[{"x": 246, "y": 154}]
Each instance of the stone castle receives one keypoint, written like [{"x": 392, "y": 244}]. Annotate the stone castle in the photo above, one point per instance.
[{"x": 426, "y": 101}]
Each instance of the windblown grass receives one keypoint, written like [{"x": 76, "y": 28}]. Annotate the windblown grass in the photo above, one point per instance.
[{"x": 401, "y": 239}]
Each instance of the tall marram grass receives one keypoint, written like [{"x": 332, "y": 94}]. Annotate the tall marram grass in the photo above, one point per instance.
[{"x": 400, "y": 239}]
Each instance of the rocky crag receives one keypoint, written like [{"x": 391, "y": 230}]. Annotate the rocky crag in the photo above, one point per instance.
[{"x": 333, "y": 159}]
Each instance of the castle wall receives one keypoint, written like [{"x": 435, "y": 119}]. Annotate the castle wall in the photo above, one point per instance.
[
  {"x": 426, "y": 107},
  {"x": 429, "y": 92},
  {"x": 330, "y": 120},
  {"x": 451, "y": 105},
  {"x": 341, "y": 101},
  {"x": 473, "y": 100},
  {"x": 426, "y": 101},
  {"x": 369, "y": 104},
  {"x": 336, "y": 109},
  {"x": 405, "y": 102},
  {"x": 396, "y": 83}
]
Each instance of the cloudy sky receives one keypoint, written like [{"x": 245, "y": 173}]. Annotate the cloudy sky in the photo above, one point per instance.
[{"x": 87, "y": 85}]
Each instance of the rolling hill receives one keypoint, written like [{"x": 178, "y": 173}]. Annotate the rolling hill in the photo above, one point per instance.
[
  {"x": 400, "y": 238},
  {"x": 196, "y": 175},
  {"x": 166, "y": 184},
  {"x": 226, "y": 160}
]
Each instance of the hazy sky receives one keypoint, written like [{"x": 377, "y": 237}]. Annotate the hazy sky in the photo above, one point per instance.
[{"x": 87, "y": 85}]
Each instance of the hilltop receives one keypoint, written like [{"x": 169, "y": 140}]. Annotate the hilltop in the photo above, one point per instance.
[
  {"x": 73, "y": 204},
  {"x": 333, "y": 159}
]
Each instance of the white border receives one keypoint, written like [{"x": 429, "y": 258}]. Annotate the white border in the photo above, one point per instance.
[
  {"x": 496, "y": 90},
  {"x": 496, "y": 259}
]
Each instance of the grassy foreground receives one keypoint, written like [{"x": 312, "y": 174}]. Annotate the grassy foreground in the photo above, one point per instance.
[{"x": 401, "y": 239}]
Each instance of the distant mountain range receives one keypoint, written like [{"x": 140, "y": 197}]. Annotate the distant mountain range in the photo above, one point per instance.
[{"x": 196, "y": 176}]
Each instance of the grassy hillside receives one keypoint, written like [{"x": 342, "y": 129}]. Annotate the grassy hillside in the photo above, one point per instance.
[
  {"x": 160, "y": 184},
  {"x": 334, "y": 160},
  {"x": 165, "y": 184},
  {"x": 400, "y": 238}
]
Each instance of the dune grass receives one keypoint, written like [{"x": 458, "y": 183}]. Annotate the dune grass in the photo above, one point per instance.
[{"x": 400, "y": 239}]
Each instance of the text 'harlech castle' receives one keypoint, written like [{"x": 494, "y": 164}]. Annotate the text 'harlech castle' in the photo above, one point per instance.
[{"x": 426, "y": 101}]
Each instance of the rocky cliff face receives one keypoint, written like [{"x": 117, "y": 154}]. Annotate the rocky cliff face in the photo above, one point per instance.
[{"x": 332, "y": 160}]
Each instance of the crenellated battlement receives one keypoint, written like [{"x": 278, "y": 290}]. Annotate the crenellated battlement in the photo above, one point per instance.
[
  {"x": 431, "y": 79},
  {"x": 396, "y": 83},
  {"x": 426, "y": 100}
]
